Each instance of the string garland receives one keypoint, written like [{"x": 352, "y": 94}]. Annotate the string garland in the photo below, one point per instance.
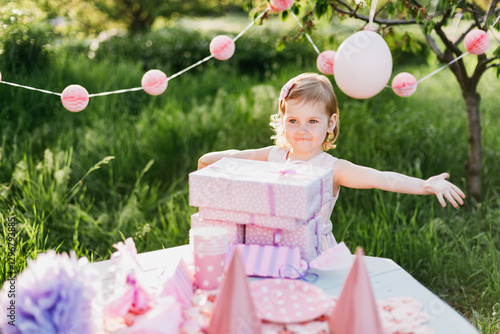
[{"x": 75, "y": 98}]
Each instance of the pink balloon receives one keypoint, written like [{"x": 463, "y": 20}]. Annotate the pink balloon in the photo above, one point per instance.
[
  {"x": 404, "y": 84},
  {"x": 0, "y": 76},
  {"x": 363, "y": 65},
  {"x": 222, "y": 47},
  {"x": 154, "y": 82},
  {"x": 325, "y": 62},
  {"x": 477, "y": 42},
  {"x": 75, "y": 98},
  {"x": 279, "y": 6}
]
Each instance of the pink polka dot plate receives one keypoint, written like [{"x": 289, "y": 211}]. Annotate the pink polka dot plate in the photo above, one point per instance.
[{"x": 288, "y": 300}]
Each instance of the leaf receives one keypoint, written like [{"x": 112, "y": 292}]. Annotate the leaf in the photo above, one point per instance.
[
  {"x": 280, "y": 45},
  {"x": 284, "y": 15},
  {"x": 320, "y": 8},
  {"x": 496, "y": 53},
  {"x": 391, "y": 9}
]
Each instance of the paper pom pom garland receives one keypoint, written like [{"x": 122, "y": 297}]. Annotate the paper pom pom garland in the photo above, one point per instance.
[
  {"x": 279, "y": 6},
  {"x": 477, "y": 42},
  {"x": 325, "y": 62},
  {"x": 362, "y": 68},
  {"x": 75, "y": 98},
  {"x": 363, "y": 65},
  {"x": 222, "y": 47},
  {"x": 404, "y": 84},
  {"x": 154, "y": 82}
]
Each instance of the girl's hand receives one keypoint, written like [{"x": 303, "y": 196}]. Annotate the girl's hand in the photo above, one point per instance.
[
  {"x": 208, "y": 159},
  {"x": 443, "y": 189}
]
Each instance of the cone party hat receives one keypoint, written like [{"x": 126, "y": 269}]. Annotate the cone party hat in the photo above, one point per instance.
[
  {"x": 356, "y": 310},
  {"x": 234, "y": 311}
]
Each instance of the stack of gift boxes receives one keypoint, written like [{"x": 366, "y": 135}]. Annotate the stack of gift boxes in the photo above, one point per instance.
[{"x": 263, "y": 203}]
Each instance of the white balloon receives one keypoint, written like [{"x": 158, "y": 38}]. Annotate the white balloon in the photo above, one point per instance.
[{"x": 363, "y": 65}]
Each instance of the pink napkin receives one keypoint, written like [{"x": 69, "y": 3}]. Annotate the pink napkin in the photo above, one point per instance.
[
  {"x": 131, "y": 292},
  {"x": 163, "y": 318},
  {"x": 356, "y": 309},
  {"x": 336, "y": 257},
  {"x": 125, "y": 255},
  {"x": 234, "y": 310}
]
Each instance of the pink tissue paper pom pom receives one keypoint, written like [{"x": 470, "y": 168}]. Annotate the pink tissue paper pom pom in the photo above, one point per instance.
[
  {"x": 154, "y": 82},
  {"x": 404, "y": 84},
  {"x": 222, "y": 47},
  {"x": 75, "y": 98},
  {"x": 477, "y": 42},
  {"x": 325, "y": 62},
  {"x": 279, "y": 6}
]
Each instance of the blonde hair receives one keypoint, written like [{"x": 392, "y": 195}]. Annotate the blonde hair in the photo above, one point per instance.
[{"x": 308, "y": 87}]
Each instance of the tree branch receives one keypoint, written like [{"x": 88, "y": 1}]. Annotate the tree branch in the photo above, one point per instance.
[
  {"x": 449, "y": 45},
  {"x": 459, "y": 40},
  {"x": 493, "y": 65},
  {"x": 481, "y": 66},
  {"x": 418, "y": 4},
  {"x": 434, "y": 47},
  {"x": 353, "y": 13},
  {"x": 475, "y": 14},
  {"x": 489, "y": 12}
]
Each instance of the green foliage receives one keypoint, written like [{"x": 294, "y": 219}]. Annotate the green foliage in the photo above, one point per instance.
[
  {"x": 174, "y": 49},
  {"x": 406, "y": 48},
  {"x": 24, "y": 43}
]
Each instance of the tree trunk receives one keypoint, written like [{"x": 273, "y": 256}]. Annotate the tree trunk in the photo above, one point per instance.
[{"x": 474, "y": 165}]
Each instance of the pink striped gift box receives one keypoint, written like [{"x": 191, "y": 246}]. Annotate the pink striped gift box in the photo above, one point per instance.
[
  {"x": 296, "y": 190},
  {"x": 306, "y": 237},
  {"x": 272, "y": 261},
  {"x": 236, "y": 232}
]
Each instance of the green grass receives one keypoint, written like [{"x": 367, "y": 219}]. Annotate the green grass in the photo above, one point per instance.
[{"x": 119, "y": 168}]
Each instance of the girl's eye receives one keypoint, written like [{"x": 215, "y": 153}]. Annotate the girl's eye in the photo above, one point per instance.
[
  {"x": 292, "y": 121},
  {"x": 313, "y": 121}
]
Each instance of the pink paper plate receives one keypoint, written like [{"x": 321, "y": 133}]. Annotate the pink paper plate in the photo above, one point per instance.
[{"x": 288, "y": 300}]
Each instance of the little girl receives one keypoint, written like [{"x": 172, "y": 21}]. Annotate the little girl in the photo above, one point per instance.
[{"x": 306, "y": 125}]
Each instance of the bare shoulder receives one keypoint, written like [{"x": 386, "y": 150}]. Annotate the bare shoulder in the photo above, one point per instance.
[{"x": 342, "y": 164}]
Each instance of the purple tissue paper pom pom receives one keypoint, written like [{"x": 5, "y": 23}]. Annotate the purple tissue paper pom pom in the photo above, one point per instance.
[{"x": 54, "y": 294}]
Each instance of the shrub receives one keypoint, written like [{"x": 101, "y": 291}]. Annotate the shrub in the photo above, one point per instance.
[
  {"x": 24, "y": 43},
  {"x": 174, "y": 49}
]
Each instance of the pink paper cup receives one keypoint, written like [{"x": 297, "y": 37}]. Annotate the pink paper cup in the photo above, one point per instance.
[
  {"x": 210, "y": 245},
  {"x": 209, "y": 270}
]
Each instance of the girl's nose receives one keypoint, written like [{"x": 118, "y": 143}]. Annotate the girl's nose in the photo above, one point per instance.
[{"x": 302, "y": 128}]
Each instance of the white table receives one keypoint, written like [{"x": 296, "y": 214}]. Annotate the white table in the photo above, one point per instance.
[{"x": 387, "y": 278}]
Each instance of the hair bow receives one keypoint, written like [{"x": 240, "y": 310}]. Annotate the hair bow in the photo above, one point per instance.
[{"x": 286, "y": 90}]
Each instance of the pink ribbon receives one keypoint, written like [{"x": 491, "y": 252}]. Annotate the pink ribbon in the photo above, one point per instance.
[
  {"x": 276, "y": 237},
  {"x": 282, "y": 172}
]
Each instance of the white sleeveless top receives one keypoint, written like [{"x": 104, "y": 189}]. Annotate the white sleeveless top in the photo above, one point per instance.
[{"x": 325, "y": 160}]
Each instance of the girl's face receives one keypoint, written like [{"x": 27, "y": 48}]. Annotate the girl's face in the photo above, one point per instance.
[{"x": 306, "y": 125}]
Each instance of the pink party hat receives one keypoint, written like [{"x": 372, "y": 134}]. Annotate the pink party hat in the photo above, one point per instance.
[
  {"x": 179, "y": 284},
  {"x": 234, "y": 311},
  {"x": 356, "y": 310}
]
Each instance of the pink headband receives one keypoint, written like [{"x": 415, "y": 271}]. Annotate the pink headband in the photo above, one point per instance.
[{"x": 286, "y": 89}]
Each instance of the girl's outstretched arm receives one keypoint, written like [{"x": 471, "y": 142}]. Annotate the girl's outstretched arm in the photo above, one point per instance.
[
  {"x": 350, "y": 175},
  {"x": 255, "y": 154}
]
